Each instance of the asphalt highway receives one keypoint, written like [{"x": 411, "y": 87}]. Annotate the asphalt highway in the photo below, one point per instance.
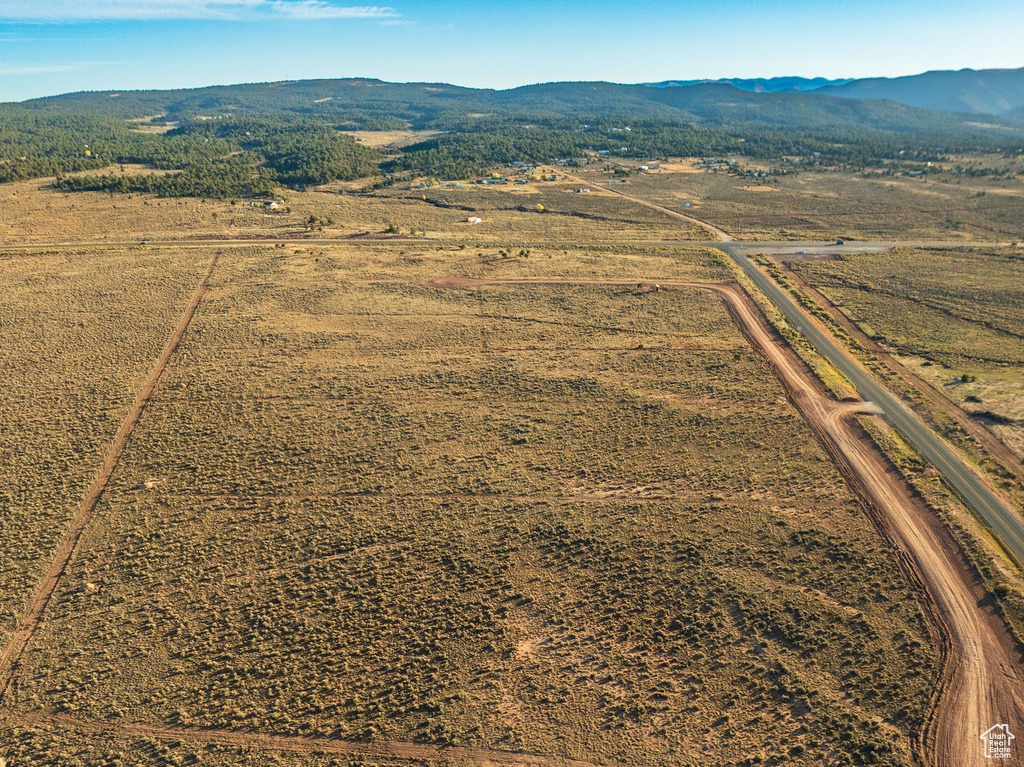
[{"x": 1004, "y": 521}]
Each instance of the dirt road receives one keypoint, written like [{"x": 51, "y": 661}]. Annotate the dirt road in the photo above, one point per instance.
[
  {"x": 982, "y": 678},
  {"x": 385, "y": 749},
  {"x": 21, "y": 637},
  {"x": 991, "y": 442},
  {"x": 988, "y": 504},
  {"x": 718, "y": 233}
]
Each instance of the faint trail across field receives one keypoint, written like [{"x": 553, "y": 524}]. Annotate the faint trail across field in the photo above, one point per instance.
[
  {"x": 982, "y": 677},
  {"x": 722, "y": 236},
  {"x": 21, "y": 637},
  {"x": 392, "y": 749}
]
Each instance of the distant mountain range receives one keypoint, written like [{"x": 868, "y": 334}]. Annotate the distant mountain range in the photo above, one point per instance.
[
  {"x": 240, "y": 140},
  {"x": 984, "y": 91},
  {"x": 759, "y": 84},
  {"x": 360, "y": 103}
]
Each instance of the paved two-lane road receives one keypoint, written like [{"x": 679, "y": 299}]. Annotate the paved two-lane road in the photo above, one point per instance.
[{"x": 1004, "y": 521}]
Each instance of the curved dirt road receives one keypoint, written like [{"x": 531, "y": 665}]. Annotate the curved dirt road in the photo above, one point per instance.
[{"x": 982, "y": 677}]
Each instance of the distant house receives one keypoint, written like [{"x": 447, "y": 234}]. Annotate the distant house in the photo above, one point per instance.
[
  {"x": 473, "y": 220},
  {"x": 581, "y": 190},
  {"x": 270, "y": 205}
]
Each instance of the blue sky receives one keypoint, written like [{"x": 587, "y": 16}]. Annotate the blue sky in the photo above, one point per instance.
[{"x": 55, "y": 46}]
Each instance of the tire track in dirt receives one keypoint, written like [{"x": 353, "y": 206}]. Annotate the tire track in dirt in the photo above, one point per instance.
[
  {"x": 29, "y": 623},
  {"x": 981, "y": 680},
  {"x": 485, "y": 757}
]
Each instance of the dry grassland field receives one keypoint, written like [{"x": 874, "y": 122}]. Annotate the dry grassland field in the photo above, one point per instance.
[
  {"x": 391, "y": 139},
  {"x": 956, "y": 318},
  {"x": 80, "y": 332},
  {"x": 33, "y": 212},
  {"x": 434, "y": 525},
  {"x": 826, "y": 205}
]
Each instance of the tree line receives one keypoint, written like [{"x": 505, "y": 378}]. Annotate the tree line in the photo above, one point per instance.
[{"x": 252, "y": 155}]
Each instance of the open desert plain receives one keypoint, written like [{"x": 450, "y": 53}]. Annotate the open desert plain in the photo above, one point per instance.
[{"x": 710, "y": 463}]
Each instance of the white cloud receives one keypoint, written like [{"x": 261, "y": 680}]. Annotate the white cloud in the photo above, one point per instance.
[
  {"x": 101, "y": 10},
  {"x": 319, "y": 9},
  {"x": 115, "y": 10}
]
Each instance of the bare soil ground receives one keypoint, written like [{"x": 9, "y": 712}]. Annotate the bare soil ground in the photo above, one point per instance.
[
  {"x": 982, "y": 679},
  {"x": 34, "y": 212},
  {"x": 391, "y": 138},
  {"x": 290, "y": 305},
  {"x": 720, "y": 235},
  {"x": 826, "y": 205}
]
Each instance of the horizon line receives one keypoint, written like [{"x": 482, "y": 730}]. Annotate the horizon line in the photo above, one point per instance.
[{"x": 692, "y": 81}]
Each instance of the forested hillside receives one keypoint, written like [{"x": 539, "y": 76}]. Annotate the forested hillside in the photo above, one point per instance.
[
  {"x": 987, "y": 91},
  {"x": 377, "y": 105},
  {"x": 248, "y": 140},
  {"x": 216, "y": 158}
]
